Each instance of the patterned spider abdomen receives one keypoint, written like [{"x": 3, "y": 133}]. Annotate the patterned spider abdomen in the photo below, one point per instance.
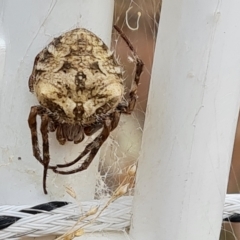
[{"x": 77, "y": 77}]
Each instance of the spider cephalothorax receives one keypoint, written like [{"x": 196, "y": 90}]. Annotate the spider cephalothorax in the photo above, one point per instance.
[{"x": 79, "y": 85}]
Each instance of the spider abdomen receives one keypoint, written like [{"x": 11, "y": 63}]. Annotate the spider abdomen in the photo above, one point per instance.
[{"x": 77, "y": 77}]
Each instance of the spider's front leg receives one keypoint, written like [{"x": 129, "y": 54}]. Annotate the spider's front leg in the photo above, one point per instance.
[
  {"x": 92, "y": 148},
  {"x": 32, "y": 122}
]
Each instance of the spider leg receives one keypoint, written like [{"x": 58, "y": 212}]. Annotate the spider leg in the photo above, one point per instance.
[
  {"x": 90, "y": 130},
  {"x": 32, "y": 122},
  {"x": 139, "y": 69},
  {"x": 45, "y": 143},
  {"x": 92, "y": 148}
]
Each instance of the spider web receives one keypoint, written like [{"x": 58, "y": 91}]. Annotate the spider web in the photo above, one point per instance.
[{"x": 139, "y": 21}]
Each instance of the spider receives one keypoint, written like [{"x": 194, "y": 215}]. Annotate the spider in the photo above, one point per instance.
[{"x": 79, "y": 85}]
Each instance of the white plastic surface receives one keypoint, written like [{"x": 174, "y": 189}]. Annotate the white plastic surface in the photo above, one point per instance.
[
  {"x": 26, "y": 27},
  {"x": 190, "y": 124}
]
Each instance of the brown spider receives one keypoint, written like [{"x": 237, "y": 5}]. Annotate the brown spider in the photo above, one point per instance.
[{"x": 79, "y": 85}]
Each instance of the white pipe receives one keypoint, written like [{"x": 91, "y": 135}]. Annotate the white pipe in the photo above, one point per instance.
[
  {"x": 26, "y": 28},
  {"x": 191, "y": 121}
]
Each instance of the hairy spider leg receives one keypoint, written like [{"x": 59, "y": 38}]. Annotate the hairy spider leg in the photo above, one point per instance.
[
  {"x": 45, "y": 143},
  {"x": 90, "y": 130},
  {"x": 139, "y": 69},
  {"x": 92, "y": 148},
  {"x": 32, "y": 122}
]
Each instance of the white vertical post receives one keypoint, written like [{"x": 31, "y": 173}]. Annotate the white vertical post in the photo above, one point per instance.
[
  {"x": 190, "y": 124},
  {"x": 26, "y": 27}
]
